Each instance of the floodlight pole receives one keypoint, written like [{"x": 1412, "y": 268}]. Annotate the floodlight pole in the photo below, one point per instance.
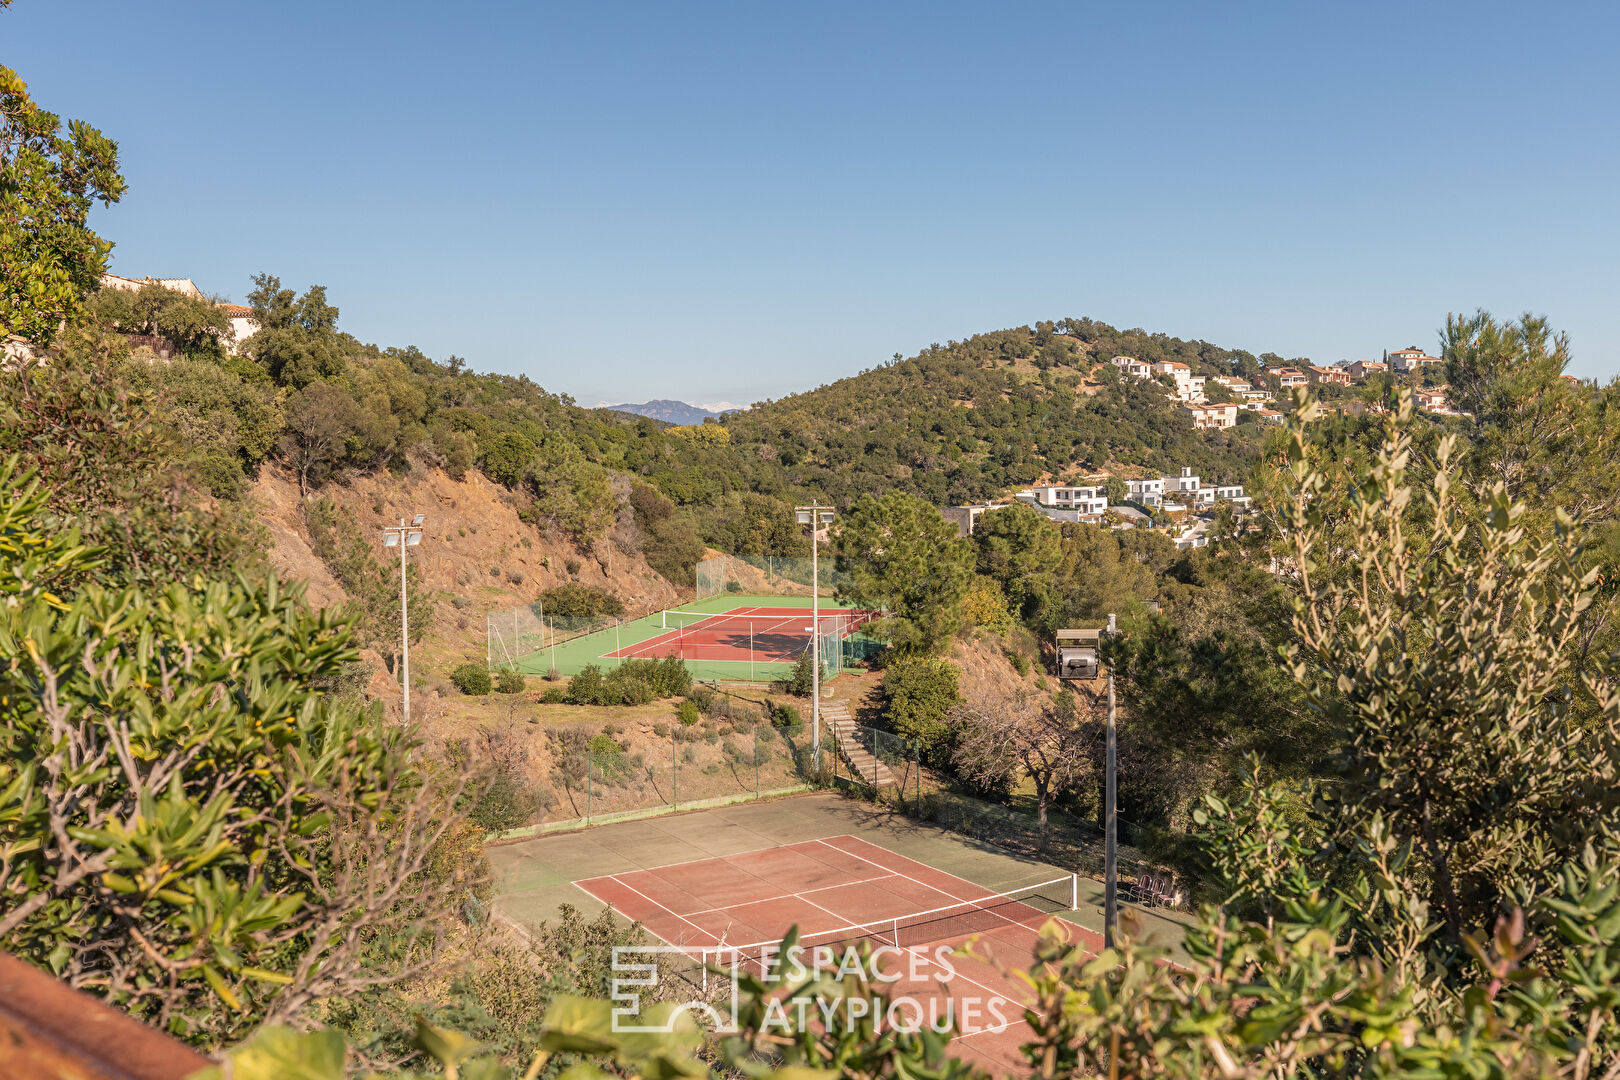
[
  {"x": 815, "y": 515},
  {"x": 404, "y": 536},
  {"x": 1110, "y": 821}
]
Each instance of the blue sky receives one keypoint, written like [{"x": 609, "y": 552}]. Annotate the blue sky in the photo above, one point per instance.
[{"x": 736, "y": 201}]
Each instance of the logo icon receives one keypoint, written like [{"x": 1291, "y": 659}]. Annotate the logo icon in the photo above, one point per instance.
[{"x": 635, "y": 971}]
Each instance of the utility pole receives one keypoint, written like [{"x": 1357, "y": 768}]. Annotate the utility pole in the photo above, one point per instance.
[
  {"x": 1110, "y": 822},
  {"x": 815, "y": 515},
  {"x": 403, "y": 536}
]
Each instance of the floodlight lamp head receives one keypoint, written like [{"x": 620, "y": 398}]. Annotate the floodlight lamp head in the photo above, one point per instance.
[
  {"x": 826, "y": 516},
  {"x": 804, "y": 517},
  {"x": 390, "y": 539},
  {"x": 414, "y": 539},
  {"x": 418, "y": 519}
]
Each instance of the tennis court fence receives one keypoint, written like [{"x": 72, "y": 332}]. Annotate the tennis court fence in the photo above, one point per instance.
[
  {"x": 766, "y": 574},
  {"x": 605, "y": 776}
]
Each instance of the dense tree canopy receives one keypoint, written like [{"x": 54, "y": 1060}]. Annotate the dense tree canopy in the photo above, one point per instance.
[{"x": 50, "y": 260}]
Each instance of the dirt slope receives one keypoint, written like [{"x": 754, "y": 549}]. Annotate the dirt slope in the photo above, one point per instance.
[{"x": 475, "y": 553}]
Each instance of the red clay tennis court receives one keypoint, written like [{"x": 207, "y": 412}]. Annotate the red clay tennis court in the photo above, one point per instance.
[
  {"x": 768, "y": 634},
  {"x": 840, "y": 890}
]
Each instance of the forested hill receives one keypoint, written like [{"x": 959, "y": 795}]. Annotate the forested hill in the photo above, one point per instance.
[
  {"x": 967, "y": 420},
  {"x": 957, "y": 423}
]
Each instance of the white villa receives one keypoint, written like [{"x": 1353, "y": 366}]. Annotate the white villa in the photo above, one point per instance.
[
  {"x": 1130, "y": 365},
  {"x": 1148, "y": 492},
  {"x": 1411, "y": 359},
  {"x": 1184, "y": 491},
  {"x": 1207, "y": 417},
  {"x": 1090, "y": 501},
  {"x": 1288, "y": 377},
  {"x": 243, "y": 324}
]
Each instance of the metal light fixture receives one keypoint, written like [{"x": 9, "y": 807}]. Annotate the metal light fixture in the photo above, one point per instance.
[
  {"x": 816, "y": 516},
  {"x": 403, "y": 536}
]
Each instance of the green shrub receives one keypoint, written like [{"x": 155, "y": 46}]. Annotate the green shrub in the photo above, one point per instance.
[
  {"x": 608, "y": 757},
  {"x": 118, "y": 834},
  {"x": 921, "y": 692},
  {"x": 786, "y": 716},
  {"x": 509, "y": 681},
  {"x": 687, "y": 714},
  {"x": 986, "y": 605},
  {"x": 635, "y": 682},
  {"x": 505, "y": 802},
  {"x": 572, "y": 600},
  {"x": 802, "y": 681},
  {"x": 555, "y": 695},
  {"x": 1018, "y": 660},
  {"x": 471, "y": 679},
  {"x": 507, "y": 458}
]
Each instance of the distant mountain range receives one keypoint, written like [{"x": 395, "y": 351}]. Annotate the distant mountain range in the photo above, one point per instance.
[{"x": 675, "y": 412}]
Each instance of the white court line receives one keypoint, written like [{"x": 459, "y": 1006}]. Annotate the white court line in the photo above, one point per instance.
[
  {"x": 802, "y": 894},
  {"x": 969, "y": 899},
  {"x": 989, "y": 893},
  {"x": 962, "y": 899},
  {"x": 654, "y": 903}
]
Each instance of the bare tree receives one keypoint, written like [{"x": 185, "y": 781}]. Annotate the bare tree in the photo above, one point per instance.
[{"x": 1006, "y": 736}]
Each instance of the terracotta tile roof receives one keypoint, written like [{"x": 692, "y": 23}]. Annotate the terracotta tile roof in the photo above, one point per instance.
[{"x": 236, "y": 311}]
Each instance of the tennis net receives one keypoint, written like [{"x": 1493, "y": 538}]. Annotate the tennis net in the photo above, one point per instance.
[
  {"x": 1028, "y": 907},
  {"x": 781, "y": 621}
]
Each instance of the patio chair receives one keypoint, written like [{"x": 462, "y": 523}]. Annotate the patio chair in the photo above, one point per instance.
[{"x": 1147, "y": 891}]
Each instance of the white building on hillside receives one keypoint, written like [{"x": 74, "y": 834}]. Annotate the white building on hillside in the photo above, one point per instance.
[
  {"x": 1288, "y": 377},
  {"x": 243, "y": 324},
  {"x": 183, "y": 285},
  {"x": 1411, "y": 359},
  {"x": 1147, "y": 492},
  {"x": 1087, "y": 501},
  {"x": 1177, "y": 485},
  {"x": 1189, "y": 387},
  {"x": 1207, "y": 417},
  {"x": 1130, "y": 365}
]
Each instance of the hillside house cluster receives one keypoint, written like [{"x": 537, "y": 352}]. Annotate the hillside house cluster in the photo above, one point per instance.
[
  {"x": 1180, "y": 498},
  {"x": 1187, "y": 386}
]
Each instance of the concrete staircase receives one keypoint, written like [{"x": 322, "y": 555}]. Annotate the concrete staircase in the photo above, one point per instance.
[{"x": 837, "y": 722}]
